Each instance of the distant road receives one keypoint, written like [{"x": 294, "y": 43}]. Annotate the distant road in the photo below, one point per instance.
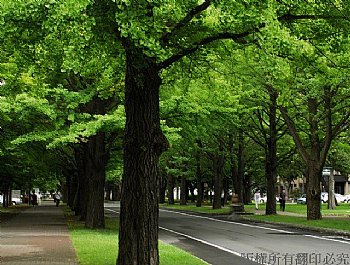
[{"x": 220, "y": 241}]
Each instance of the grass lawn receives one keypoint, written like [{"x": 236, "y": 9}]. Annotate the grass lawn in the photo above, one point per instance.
[
  {"x": 342, "y": 211},
  {"x": 208, "y": 209},
  {"x": 100, "y": 246},
  {"x": 333, "y": 223}
]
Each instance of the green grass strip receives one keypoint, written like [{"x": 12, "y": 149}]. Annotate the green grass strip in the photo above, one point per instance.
[
  {"x": 100, "y": 246},
  {"x": 207, "y": 209},
  {"x": 337, "y": 223}
]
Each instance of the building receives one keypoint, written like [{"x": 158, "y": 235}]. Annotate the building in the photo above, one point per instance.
[{"x": 341, "y": 184}]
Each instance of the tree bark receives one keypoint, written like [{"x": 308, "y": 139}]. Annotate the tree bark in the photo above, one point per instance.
[
  {"x": 247, "y": 189},
  {"x": 226, "y": 192},
  {"x": 81, "y": 196},
  {"x": 314, "y": 165},
  {"x": 116, "y": 192},
  {"x": 313, "y": 191},
  {"x": 97, "y": 161},
  {"x": 240, "y": 169},
  {"x": 162, "y": 188},
  {"x": 143, "y": 144},
  {"x": 108, "y": 191},
  {"x": 271, "y": 155},
  {"x": 233, "y": 163},
  {"x": 331, "y": 196},
  {"x": 218, "y": 168},
  {"x": 170, "y": 188},
  {"x": 183, "y": 191},
  {"x": 199, "y": 174},
  {"x": 73, "y": 188}
]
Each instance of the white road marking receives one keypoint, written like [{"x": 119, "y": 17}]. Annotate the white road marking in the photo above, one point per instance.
[
  {"x": 229, "y": 222},
  {"x": 208, "y": 243},
  {"x": 198, "y": 240},
  {"x": 202, "y": 241},
  {"x": 337, "y": 237},
  {"x": 327, "y": 238}
]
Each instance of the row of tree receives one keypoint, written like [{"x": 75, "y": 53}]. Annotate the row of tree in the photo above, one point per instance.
[{"x": 229, "y": 89}]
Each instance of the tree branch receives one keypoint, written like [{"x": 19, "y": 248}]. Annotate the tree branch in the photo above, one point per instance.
[
  {"x": 328, "y": 122},
  {"x": 193, "y": 12},
  {"x": 342, "y": 125},
  {"x": 237, "y": 37},
  {"x": 290, "y": 17},
  {"x": 294, "y": 133}
]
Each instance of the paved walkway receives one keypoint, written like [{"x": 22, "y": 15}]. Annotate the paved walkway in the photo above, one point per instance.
[{"x": 37, "y": 236}]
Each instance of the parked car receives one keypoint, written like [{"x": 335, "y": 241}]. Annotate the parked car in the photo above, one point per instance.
[
  {"x": 302, "y": 199},
  {"x": 16, "y": 201},
  {"x": 339, "y": 197},
  {"x": 324, "y": 197},
  {"x": 347, "y": 198}
]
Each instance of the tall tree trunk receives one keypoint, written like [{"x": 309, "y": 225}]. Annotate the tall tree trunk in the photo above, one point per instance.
[
  {"x": 240, "y": 169},
  {"x": 314, "y": 166},
  {"x": 233, "y": 164},
  {"x": 97, "y": 160},
  {"x": 144, "y": 142},
  {"x": 162, "y": 188},
  {"x": 108, "y": 191},
  {"x": 313, "y": 193},
  {"x": 199, "y": 174},
  {"x": 315, "y": 157},
  {"x": 73, "y": 187},
  {"x": 247, "y": 190},
  {"x": 218, "y": 168},
  {"x": 170, "y": 188},
  {"x": 271, "y": 155},
  {"x": 84, "y": 184},
  {"x": 331, "y": 196},
  {"x": 183, "y": 191},
  {"x": 116, "y": 192},
  {"x": 225, "y": 188},
  {"x": 81, "y": 196}
]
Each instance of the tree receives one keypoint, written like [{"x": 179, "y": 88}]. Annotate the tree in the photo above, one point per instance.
[
  {"x": 78, "y": 88},
  {"x": 326, "y": 118},
  {"x": 153, "y": 36}
]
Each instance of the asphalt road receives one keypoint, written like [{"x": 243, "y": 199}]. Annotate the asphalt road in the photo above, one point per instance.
[{"x": 220, "y": 241}]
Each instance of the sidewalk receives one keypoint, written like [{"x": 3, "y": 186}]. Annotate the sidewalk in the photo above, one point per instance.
[{"x": 37, "y": 236}]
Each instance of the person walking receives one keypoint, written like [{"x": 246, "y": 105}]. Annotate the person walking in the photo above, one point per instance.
[
  {"x": 283, "y": 200},
  {"x": 57, "y": 198},
  {"x": 33, "y": 199},
  {"x": 257, "y": 199}
]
